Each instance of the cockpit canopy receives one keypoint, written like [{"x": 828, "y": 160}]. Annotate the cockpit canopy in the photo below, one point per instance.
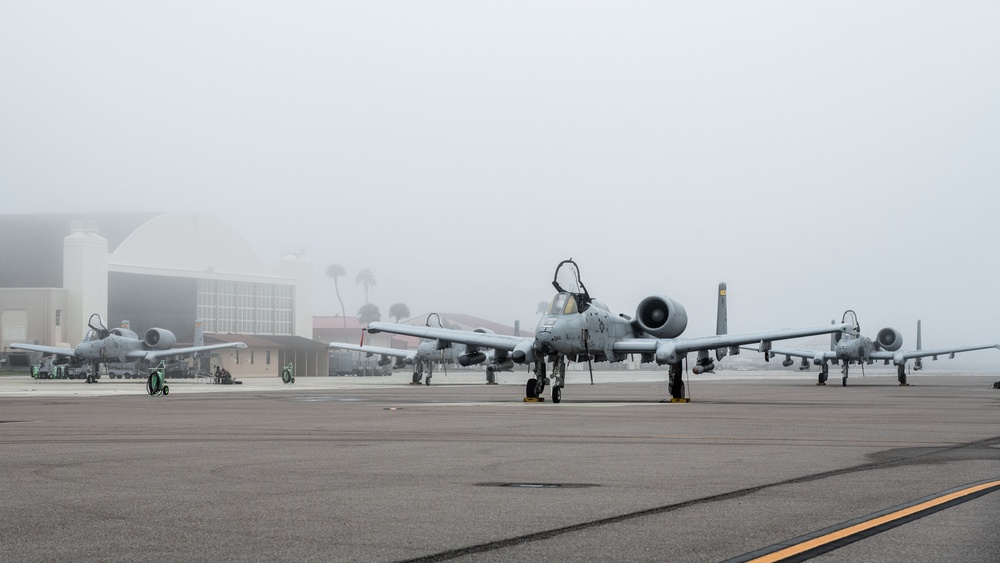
[{"x": 563, "y": 304}]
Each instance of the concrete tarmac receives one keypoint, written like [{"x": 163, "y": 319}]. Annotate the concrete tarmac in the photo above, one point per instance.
[{"x": 373, "y": 469}]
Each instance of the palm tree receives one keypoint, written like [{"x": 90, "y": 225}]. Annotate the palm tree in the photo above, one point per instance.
[
  {"x": 367, "y": 280},
  {"x": 369, "y": 313},
  {"x": 399, "y": 311},
  {"x": 335, "y": 271}
]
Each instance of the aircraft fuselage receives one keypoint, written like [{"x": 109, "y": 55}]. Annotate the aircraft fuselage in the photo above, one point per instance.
[
  {"x": 564, "y": 331},
  {"x": 855, "y": 349},
  {"x": 112, "y": 348}
]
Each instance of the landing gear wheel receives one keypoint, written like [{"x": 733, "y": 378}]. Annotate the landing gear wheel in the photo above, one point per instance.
[
  {"x": 427, "y": 381},
  {"x": 556, "y": 395},
  {"x": 530, "y": 390},
  {"x": 286, "y": 376},
  {"x": 166, "y": 390},
  {"x": 491, "y": 377},
  {"x": 416, "y": 377},
  {"x": 843, "y": 381}
]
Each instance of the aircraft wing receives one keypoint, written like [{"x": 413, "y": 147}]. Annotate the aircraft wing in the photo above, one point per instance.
[
  {"x": 672, "y": 350},
  {"x": 45, "y": 349},
  {"x": 482, "y": 339},
  {"x": 394, "y": 352},
  {"x": 154, "y": 355},
  {"x": 797, "y": 352},
  {"x": 900, "y": 356}
]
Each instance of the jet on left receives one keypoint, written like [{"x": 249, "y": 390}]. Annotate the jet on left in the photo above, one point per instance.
[{"x": 101, "y": 345}]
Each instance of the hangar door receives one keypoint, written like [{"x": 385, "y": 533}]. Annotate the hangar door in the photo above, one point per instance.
[{"x": 13, "y": 326}]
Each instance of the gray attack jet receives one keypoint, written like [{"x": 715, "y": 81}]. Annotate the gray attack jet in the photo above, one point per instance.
[
  {"x": 120, "y": 345},
  {"x": 580, "y": 328},
  {"x": 847, "y": 349},
  {"x": 434, "y": 351}
]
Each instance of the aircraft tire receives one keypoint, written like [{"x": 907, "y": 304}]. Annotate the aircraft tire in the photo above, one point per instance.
[
  {"x": 427, "y": 381},
  {"x": 529, "y": 389},
  {"x": 843, "y": 381},
  {"x": 286, "y": 376},
  {"x": 556, "y": 395},
  {"x": 166, "y": 390},
  {"x": 416, "y": 377}
]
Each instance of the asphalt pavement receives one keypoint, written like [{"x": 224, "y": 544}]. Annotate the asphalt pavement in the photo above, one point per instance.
[{"x": 374, "y": 469}]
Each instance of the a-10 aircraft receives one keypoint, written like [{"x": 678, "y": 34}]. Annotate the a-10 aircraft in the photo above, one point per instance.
[
  {"x": 580, "y": 328},
  {"x": 848, "y": 349},
  {"x": 121, "y": 345},
  {"x": 434, "y": 351}
]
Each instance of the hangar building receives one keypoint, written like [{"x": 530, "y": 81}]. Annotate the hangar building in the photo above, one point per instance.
[{"x": 164, "y": 270}]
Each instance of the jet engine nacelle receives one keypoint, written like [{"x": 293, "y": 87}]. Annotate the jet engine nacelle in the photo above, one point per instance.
[
  {"x": 159, "y": 339},
  {"x": 523, "y": 353},
  {"x": 661, "y": 317},
  {"x": 466, "y": 360},
  {"x": 889, "y": 339}
]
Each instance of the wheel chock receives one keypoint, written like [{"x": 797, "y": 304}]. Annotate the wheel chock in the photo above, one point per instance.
[
  {"x": 680, "y": 400},
  {"x": 534, "y": 399}
]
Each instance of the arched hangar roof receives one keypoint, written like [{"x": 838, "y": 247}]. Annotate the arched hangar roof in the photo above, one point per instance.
[{"x": 187, "y": 241}]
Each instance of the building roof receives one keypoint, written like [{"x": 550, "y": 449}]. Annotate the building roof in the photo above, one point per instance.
[
  {"x": 37, "y": 258},
  {"x": 187, "y": 241},
  {"x": 336, "y": 322}
]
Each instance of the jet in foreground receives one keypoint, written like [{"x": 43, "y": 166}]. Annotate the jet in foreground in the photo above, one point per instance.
[
  {"x": 120, "y": 345},
  {"x": 580, "y": 328},
  {"x": 847, "y": 349},
  {"x": 434, "y": 351}
]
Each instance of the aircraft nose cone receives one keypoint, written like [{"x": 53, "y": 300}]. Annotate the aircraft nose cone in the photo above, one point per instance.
[{"x": 543, "y": 338}]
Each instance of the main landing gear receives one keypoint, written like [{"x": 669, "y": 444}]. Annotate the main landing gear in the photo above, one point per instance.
[
  {"x": 676, "y": 383},
  {"x": 824, "y": 373},
  {"x": 901, "y": 375}
]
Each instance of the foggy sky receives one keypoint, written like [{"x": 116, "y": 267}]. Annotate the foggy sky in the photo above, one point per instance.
[{"x": 815, "y": 156}]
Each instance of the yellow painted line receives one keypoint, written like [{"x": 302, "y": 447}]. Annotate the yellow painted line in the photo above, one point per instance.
[{"x": 858, "y": 528}]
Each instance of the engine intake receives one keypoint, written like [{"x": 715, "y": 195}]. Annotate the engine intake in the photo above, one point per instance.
[
  {"x": 661, "y": 317},
  {"x": 159, "y": 339},
  {"x": 889, "y": 339}
]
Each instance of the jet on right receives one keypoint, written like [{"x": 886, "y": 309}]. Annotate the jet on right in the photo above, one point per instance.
[{"x": 847, "y": 349}]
